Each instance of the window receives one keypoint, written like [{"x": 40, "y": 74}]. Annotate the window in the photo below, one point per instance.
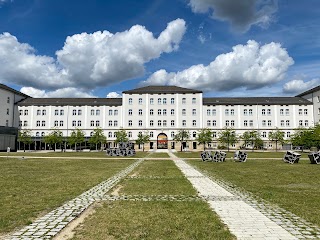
[
  {"x": 74, "y": 112},
  {"x": 281, "y": 112},
  {"x": 287, "y": 112},
  {"x": 151, "y": 134},
  {"x": 37, "y": 134},
  {"x": 264, "y": 112},
  {"x": 151, "y": 101},
  {"x": 42, "y": 134},
  {"x": 183, "y": 112},
  {"x": 164, "y": 101},
  {"x": 245, "y": 123},
  {"x": 140, "y": 101},
  {"x": 115, "y": 134},
  {"x": 116, "y": 112},
  {"x": 110, "y": 123},
  {"x": 79, "y": 123},
  {"x": 159, "y": 123},
  {"x": 56, "y": 123},
  {"x": 159, "y": 101},
  {"x": 194, "y": 134},
  {"x": 306, "y": 123},
  {"x": 115, "y": 123},
  {"x": 172, "y": 123},
  {"x": 44, "y": 112},
  {"x": 92, "y": 123},
  {"x": 140, "y": 112},
  {"x": 91, "y": 134},
  {"x": 8, "y": 111},
  {"x": 214, "y": 123},
  {"x": 110, "y": 112},
  {"x": 264, "y": 123},
  {"x": 251, "y": 123},
  {"x": 287, "y": 123},
  {"x": 227, "y": 123},
  {"x": 305, "y": 111},
  {"x": 61, "y": 123},
  {"x": 194, "y": 100},
  {"x": 194, "y": 123},
  {"x": 130, "y": 123},
  {"x": 183, "y": 100},
  {"x": 140, "y": 123},
  {"x": 232, "y": 123},
  {"x": 79, "y": 112},
  {"x": 130, "y": 101},
  {"x": 172, "y": 134},
  {"x": 250, "y": 112},
  {"x": 129, "y": 134},
  {"x": 130, "y": 112},
  {"x": 20, "y": 123},
  {"x": 151, "y": 112},
  {"x": 164, "y": 112},
  {"x": 214, "y": 134},
  {"x": 214, "y": 112},
  {"x": 20, "y": 112},
  {"x": 208, "y": 123},
  {"x": 269, "y": 123},
  {"x": 172, "y": 100},
  {"x": 184, "y": 123},
  {"x": 62, "y": 112},
  {"x": 38, "y": 123},
  {"x": 264, "y": 134},
  {"x": 268, "y": 111},
  {"x": 43, "y": 123},
  {"x": 208, "y": 112},
  {"x": 74, "y": 123},
  {"x": 26, "y": 112},
  {"x": 194, "y": 112},
  {"x": 245, "y": 112},
  {"x": 288, "y": 134},
  {"x": 164, "y": 123},
  {"x": 97, "y": 123},
  {"x": 172, "y": 112},
  {"x": 226, "y": 112},
  {"x": 300, "y": 123},
  {"x": 151, "y": 123},
  {"x": 8, "y": 100},
  {"x": 56, "y": 112},
  {"x": 300, "y": 111},
  {"x": 159, "y": 112},
  {"x": 232, "y": 112},
  {"x": 97, "y": 112},
  {"x": 109, "y": 134},
  {"x": 282, "y": 123}
]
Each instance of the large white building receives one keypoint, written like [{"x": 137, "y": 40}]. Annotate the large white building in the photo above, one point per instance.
[{"x": 162, "y": 111}]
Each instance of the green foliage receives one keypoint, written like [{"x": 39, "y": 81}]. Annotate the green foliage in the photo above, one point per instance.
[
  {"x": 142, "y": 139},
  {"x": 25, "y": 137},
  {"x": 54, "y": 137},
  {"x": 97, "y": 137},
  {"x": 276, "y": 136},
  {"x": 77, "y": 136},
  {"x": 227, "y": 136},
  {"x": 307, "y": 137},
  {"x": 252, "y": 137},
  {"x": 204, "y": 137},
  {"x": 121, "y": 136},
  {"x": 182, "y": 136}
]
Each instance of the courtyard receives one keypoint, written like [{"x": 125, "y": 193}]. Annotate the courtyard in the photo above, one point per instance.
[{"x": 157, "y": 197}]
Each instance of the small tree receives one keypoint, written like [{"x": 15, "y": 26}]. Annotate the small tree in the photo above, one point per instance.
[
  {"x": 252, "y": 137},
  {"x": 227, "y": 136},
  {"x": 142, "y": 139},
  {"x": 204, "y": 137},
  {"x": 276, "y": 136},
  {"x": 54, "y": 137},
  {"x": 25, "y": 137},
  {"x": 77, "y": 136},
  {"x": 97, "y": 137},
  {"x": 182, "y": 136},
  {"x": 121, "y": 136}
]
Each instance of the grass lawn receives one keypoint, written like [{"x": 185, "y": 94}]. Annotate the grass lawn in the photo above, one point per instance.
[
  {"x": 35, "y": 186},
  {"x": 158, "y": 155},
  {"x": 153, "y": 220},
  {"x": 293, "y": 187}
]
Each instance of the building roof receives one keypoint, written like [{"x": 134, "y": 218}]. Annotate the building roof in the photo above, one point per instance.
[
  {"x": 257, "y": 101},
  {"x": 2, "y": 86},
  {"x": 309, "y": 91},
  {"x": 71, "y": 102},
  {"x": 161, "y": 90}
]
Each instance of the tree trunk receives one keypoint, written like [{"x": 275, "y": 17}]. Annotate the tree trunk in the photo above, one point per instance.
[
  {"x": 143, "y": 147},
  {"x": 276, "y": 146},
  {"x": 24, "y": 147}
]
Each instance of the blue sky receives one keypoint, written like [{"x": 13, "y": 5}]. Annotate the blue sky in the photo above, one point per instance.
[{"x": 55, "y": 48}]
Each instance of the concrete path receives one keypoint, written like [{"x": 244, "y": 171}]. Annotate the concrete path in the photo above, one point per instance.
[{"x": 243, "y": 218}]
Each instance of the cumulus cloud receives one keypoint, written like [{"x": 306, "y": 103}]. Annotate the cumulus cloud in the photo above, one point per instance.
[
  {"x": 251, "y": 66},
  {"x": 241, "y": 14},
  {"x": 113, "y": 95},
  {"x": 87, "y": 60},
  {"x": 59, "y": 93},
  {"x": 299, "y": 86}
]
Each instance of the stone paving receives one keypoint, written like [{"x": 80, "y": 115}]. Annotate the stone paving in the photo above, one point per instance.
[
  {"x": 246, "y": 217},
  {"x": 49, "y": 225}
]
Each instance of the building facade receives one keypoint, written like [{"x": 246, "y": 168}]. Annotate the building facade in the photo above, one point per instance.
[{"x": 162, "y": 111}]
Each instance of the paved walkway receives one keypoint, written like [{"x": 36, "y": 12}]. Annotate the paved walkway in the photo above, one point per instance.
[{"x": 244, "y": 218}]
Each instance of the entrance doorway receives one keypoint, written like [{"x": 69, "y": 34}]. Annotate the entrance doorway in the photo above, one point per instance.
[{"x": 162, "y": 141}]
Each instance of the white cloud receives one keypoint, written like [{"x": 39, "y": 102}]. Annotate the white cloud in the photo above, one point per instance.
[
  {"x": 59, "y": 93},
  {"x": 87, "y": 60},
  {"x": 113, "y": 95},
  {"x": 241, "y": 14},
  {"x": 299, "y": 86},
  {"x": 202, "y": 38},
  {"x": 251, "y": 66}
]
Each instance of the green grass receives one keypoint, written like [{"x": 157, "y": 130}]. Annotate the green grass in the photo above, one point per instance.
[
  {"x": 294, "y": 187},
  {"x": 160, "y": 168},
  {"x": 153, "y": 220},
  {"x": 158, "y": 155},
  {"x": 36, "y": 186}
]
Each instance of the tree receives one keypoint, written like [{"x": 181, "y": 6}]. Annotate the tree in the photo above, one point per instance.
[
  {"x": 121, "y": 136},
  {"x": 252, "y": 137},
  {"x": 276, "y": 136},
  {"x": 227, "y": 136},
  {"x": 181, "y": 136},
  {"x": 97, "y": 137},
  {"x": 77, "y": 136},
  {"x": 142, "y": 139},
  {"x": 25, "y": 137},
  {"x": 54, "y": 137},
  {"x": 204, "y": 137}
]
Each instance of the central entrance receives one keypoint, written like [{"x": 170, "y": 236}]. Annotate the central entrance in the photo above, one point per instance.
[{"x": 162, "y": 141}]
